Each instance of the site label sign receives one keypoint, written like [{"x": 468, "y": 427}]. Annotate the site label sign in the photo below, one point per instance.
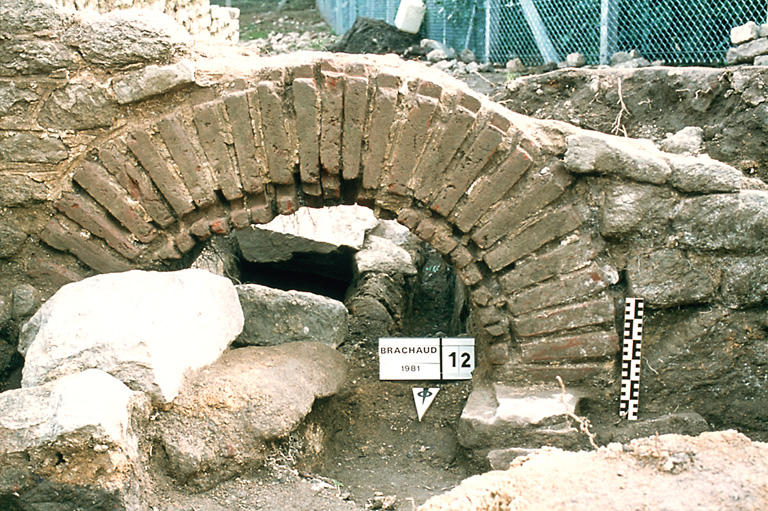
[{"x": 412, "y": 358}]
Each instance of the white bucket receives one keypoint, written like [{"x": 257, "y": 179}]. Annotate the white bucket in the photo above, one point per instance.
[{"x": 409, "y": 16}]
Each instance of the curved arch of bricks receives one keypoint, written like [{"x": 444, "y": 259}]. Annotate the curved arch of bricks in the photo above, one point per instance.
[{"x": 482, "y": 185}]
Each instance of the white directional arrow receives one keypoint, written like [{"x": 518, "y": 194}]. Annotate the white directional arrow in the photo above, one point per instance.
[{"x": 423, "y": 397}]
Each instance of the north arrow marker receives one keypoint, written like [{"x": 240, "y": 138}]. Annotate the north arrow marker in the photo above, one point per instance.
[{"x": 423, "y": 397}]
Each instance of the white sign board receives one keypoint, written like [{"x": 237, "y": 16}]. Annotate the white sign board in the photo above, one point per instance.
[{"x": 449, "y": 358}]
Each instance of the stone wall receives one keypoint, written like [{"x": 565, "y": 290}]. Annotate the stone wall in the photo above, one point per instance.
[
  {"x": 116, "y": 153},
  {"x": 199, "y": 17}
]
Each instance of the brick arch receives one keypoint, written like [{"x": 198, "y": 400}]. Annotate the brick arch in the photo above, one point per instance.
[{"x": 472, "y": 179}]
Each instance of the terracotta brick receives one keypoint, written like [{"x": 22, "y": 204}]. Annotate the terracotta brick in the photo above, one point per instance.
[
  {"x": 169, "y": 184},
  {"x": 443, "y": 240},
  {"x": 219, "y": 226},
  {"x": 277, "y": 140},
  {"x": 440, "y": 150},
  {"x": 561, "y": 259},
  {"x": 531, "y": 195},
  {"x": 470, "y": 274},
  {"x": 497, "y": 330},
  {"x": 62, "y": 235},
  {"x": 331, "y": 184},
  {"x": 213, "y": 135},
  {"x": 355, "y": 109},
  {"x": 490, "y": 188},
  {"x": 287, "y": 202},
  {"x": 168, "y": 251},
  {"x": 101, "y": 186},
  {"x": 88, "y": 214},
  {"x": 138, "y": 185},
  {"x": 179, "y": 145},
  {"x": 259, "y": 208},
  {"x": 184, "y": 242},
  {"x": 426, "y": 229},
  {"x": 489, "y": 315},
  {"x": 251, "y": 170},
  {"x": 409, "y": 218},
  {"x": 566, "y": 288},
  {"x": 409, "y": 143},
  {"x": 572, "y": 348},
  {"x": 461, "y": 174},
  {"x": 332, "y": 99},
  {"x": 307, "y": 105},
  {"x": 571, "y": 374},
  {"x": 482, "y": 295},
  {"x": 200, "y": 229},
  {"x": 567, "y": 317},
  {"x": 547, "y": 228},
  {"x": 238, "y": 216},
  {"x": 461, "y": 256},
  {"x": 377, "y": 139}
]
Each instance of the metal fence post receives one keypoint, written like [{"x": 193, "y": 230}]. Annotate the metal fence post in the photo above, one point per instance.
[
  {"x": 539, "y": 31},
  {"x": 608, "y": 16}
]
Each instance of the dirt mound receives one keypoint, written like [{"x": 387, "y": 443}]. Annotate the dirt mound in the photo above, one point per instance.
[
  {"x": 374, "y": 36},
  {"x": 728, "y": 104}
]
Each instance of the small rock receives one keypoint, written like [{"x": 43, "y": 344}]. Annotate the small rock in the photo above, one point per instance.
[
  {"x": 11, "y": 237},
  {"x": 24, "y": 301},
  {"x": 17, "y": 190},
  {"x": 620, "y": 57},
  {"x": 519, "y": 416},
  {"x": 273, "y": 316},
  {"x": 383, "y": 502},
  {"x": 745, "y": 33},
  {"x": 747, "y": 52},
  {"x": 78, "y": 107},
  {"x": 667, "y": 278},
  {"x": 501, "y": 459},
  {"x": 124, "y": 37},
  {"x": 383, "y": 256},
  {"x": 437, "y": 55},
  {"x": 430, "y": 44},
  {"x": 576, "y": 60},
  {"x": 146, "y": 339},
  {"x": 308, "y": 230},
  {"x": 686, "y": 141},
  {"x": 764, "y": 30},
  {"x": 32, "y": 147},
  {"x": 219, "y": 256},
  {"x": 151, "y": 81},
  {"x": 486, "y": 67},
  {"x": 225, "y": 413},
  {"x": 467, "y": 56},
  {"x": 445, "y": 65},
  {"x": 761, "y": 60},
  {"x": 515, "y": 65},
  {"x": 472, "y": 67},
  {"x": 90, "y": 442}
]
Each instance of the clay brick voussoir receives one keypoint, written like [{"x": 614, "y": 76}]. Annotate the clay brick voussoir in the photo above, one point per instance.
[
  {"x": 306, "y": 103},
  {"x": 179, "y": 145},
  {"x": 214, "y": 136},
  {"x": 383, "y": 107},
  {"x": 244, "y": 140},
  {"x": 355, "y": 110},
  {"x": 169, "y": 184},
  {"x": 138, "y": 185},
  {"x": 102, "y": 187}
]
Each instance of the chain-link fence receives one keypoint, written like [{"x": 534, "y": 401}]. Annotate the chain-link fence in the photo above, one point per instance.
[{"x": 539, "y": 31}]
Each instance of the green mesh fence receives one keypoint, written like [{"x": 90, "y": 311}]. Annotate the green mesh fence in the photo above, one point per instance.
[{"x": 539, "y": 31}]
